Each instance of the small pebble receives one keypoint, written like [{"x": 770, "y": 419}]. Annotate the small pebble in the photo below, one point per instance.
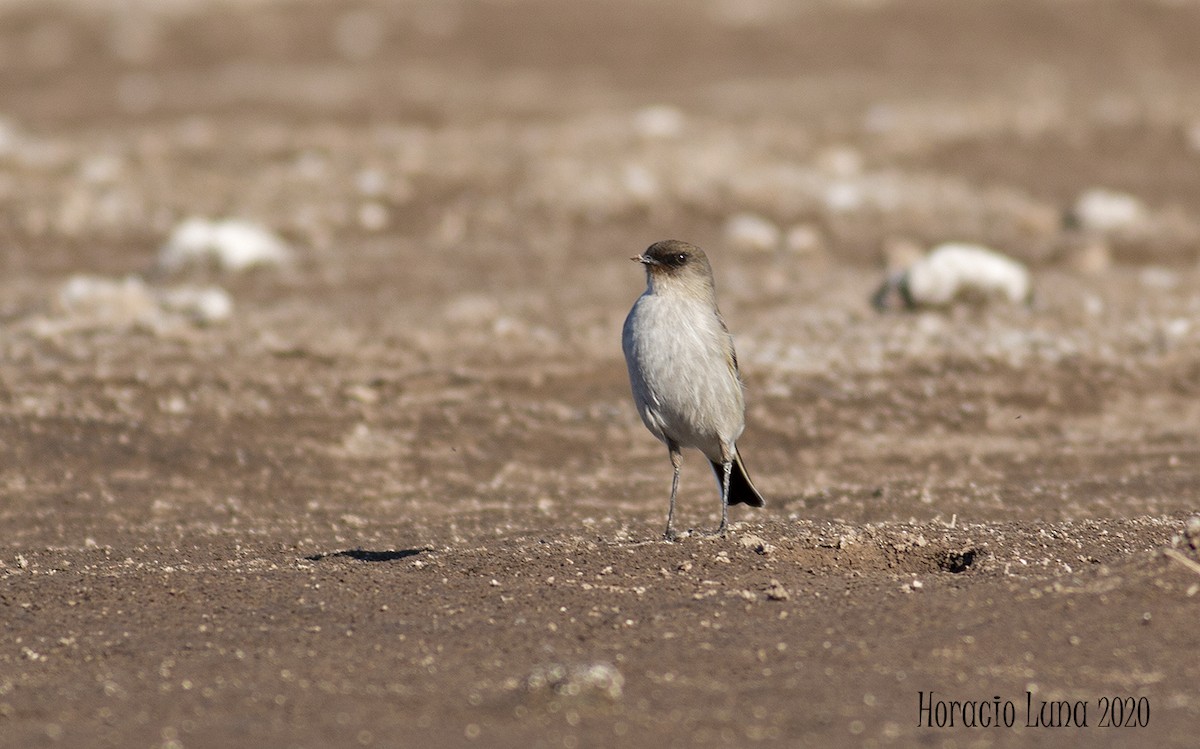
[
  {"x": 1101, "y": 210},
  {"x": 659, "y": 121},
  {"x": 751, "y": 233},
  {"x": 776, "y": 591}
]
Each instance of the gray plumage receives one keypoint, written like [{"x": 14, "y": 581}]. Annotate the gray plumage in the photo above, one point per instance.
[{"x": 684, "y": 372}]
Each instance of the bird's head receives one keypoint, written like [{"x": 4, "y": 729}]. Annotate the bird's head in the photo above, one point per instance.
[{"x": 675, "y": 261}]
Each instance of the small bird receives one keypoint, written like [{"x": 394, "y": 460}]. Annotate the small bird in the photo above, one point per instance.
[{"x": 684, "y": 373}]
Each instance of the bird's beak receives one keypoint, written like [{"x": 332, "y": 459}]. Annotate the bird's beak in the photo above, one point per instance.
[{"x": 644, "y": 260}]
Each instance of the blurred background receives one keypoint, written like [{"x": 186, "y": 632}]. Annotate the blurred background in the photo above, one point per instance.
[
  {"x": 366, "y": 210},
  {"x": 442, "y": 186},
  {"x": 829, "y": 126}
]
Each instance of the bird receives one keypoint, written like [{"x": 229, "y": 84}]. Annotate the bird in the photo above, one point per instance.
[{"x": 684, "y": 373}]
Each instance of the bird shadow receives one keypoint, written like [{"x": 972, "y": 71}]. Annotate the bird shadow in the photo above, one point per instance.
[{"x": 365, "y": 555}]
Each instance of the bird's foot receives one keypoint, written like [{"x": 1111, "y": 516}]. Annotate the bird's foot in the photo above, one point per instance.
[
  {"x": 670, "y": 535},
  {"x": 718, "y": 531}
]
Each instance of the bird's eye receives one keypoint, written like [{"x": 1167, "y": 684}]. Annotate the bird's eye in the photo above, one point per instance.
[{"x": 680, "y": 259}]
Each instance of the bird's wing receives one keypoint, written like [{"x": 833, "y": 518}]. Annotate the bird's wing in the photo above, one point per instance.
[{"x": 730, "y": 353}]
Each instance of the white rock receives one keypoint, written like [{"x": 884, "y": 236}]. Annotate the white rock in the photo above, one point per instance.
[
  {"x": 844, "y": 196},
  {"x": 101, "y": 169},
  {"x": 105, "y": 302},
  {"x": 803, "y": 239},
  {"x": 231, "y": 244},
  {"x": 471, "y": 309},
  {"x": 1155, "y": 277},
  {"x": 1107, "y": 210},
  {"x": 640, "y": 183},
  {"x": 583, "y": 679},
  {"x": 658, "y": 121},
  {"x": 204, "y": 305},
  {"x": 841, "y": 161},
  {"x": 189, "y": 242},
  {"x": 373, "y": 216},
  {"x": 242, "y": 244},
  {"x": 91, "y": 302},
  {"x": 1177, "y": 327},
  {"x": 747, "y": 231},
  {"x": 953, "y": 271},
  {"x": 371, "y": 183}
]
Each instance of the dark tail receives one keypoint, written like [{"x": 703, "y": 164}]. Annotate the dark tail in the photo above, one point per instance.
[{"x": 741, "y": 488}]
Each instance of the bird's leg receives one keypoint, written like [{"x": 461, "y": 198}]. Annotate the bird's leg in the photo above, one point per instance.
[
  {"x": 725, "y": 499},
  {"x": 676, "y": 460},
  {"x": 720, "y": 531}
]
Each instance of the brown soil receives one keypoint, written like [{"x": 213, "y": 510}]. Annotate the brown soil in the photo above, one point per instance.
[{"x": 402, "y": 498}]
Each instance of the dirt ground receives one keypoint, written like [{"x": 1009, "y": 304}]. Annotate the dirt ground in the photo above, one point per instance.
[{"x": 401, "y": 497}]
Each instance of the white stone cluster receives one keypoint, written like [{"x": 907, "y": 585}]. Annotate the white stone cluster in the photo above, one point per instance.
[
  {"x": 94, "y": 303},
  {"x": 955, "y": 271},
  {"x": 229, "y": 244}
]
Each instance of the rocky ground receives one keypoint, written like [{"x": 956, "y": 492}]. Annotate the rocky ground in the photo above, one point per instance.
[{"x": 385, "y": 486}]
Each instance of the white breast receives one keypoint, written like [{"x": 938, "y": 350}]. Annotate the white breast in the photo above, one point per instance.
[{"x": 678, "y": 354}]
